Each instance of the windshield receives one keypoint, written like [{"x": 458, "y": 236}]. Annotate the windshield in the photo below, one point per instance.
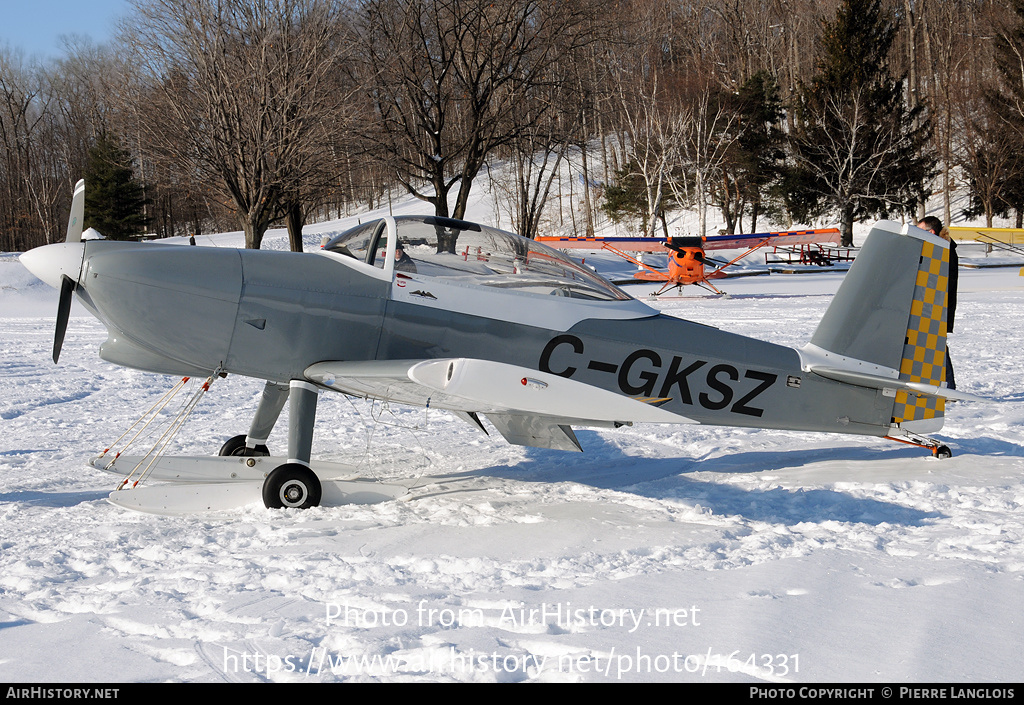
[
  {"x": 358, "y": 241},
  {"x": 475, "y": 254}
]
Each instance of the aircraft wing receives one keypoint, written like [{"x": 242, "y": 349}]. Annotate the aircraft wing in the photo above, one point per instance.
[
  {"x": 624, "y": 244},
  {"x": 781, "y": 238},
  {"x": 527, "y": 407},
  {"x": 715, "y": 242}
]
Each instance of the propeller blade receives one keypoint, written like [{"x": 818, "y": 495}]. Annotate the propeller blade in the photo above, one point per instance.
[
  {"x": 67, "y": 289},
  {"x": 77, "y": 214}
]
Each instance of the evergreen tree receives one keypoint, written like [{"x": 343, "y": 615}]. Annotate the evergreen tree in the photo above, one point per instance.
[
  {"x": 627, "y": 198},
  {"x": 857, "y": 149},
  {"x": 114, "y": 199},
  {"x": 755, "y": 161}
]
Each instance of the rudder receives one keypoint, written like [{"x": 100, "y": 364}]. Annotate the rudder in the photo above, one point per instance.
[{"x": 924, "y": 349}]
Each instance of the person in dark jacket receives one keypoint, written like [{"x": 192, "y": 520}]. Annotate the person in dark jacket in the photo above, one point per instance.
[
  {"x": 403, "y": 262},
  {"x": 934, "y": 226}
]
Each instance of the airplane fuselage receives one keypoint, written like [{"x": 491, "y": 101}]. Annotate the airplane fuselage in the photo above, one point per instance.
[
  {"x": 270, "y": 315},
  {"x": 449, "y": 314}
]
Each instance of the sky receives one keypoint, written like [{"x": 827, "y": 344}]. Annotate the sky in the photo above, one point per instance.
[{"x": 36, "y": 26}]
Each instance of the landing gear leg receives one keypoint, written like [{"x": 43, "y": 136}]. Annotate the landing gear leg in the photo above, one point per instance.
[
  {"x": 301, "y": 415},
  {"x": 294, "y": 484},
  {"x": 255, "y": 443},
  {"x": 271, "y": 404}
]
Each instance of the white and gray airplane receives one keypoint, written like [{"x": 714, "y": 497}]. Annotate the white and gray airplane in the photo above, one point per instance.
[{"x": 453, "y": 315}]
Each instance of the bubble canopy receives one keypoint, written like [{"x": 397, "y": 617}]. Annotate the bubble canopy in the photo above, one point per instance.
[{"x": 469, "y": 253}]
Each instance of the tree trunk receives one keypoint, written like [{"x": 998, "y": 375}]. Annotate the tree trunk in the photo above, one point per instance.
[
  {"x": 462, "y": 199},
  {"x": 254, "y": 225},
  {"x": 295, "y": 220},
  {"x": 846, "y": 226},
  {"x": 588, "y": 206},
  {"x": 253, "y": 240}
]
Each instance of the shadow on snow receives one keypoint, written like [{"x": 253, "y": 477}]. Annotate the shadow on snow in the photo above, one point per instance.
[{"x": 605, "y": 466}]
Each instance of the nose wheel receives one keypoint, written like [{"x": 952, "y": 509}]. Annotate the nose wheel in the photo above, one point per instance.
[{"x": 236, "y": 447}]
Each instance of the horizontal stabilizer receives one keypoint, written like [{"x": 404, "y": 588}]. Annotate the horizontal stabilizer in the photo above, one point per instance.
[{"x": 862, "y": 379}]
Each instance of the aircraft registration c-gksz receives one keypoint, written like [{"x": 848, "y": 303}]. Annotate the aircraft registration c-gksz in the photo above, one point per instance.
[{"x": 452, "y": 315}]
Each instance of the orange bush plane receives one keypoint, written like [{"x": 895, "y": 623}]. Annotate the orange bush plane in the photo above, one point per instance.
[{"x": 687, "y": 263}]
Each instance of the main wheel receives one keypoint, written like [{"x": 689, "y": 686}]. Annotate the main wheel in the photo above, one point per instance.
[
  {"x": 293, "y": 486},
  {"x": 942, "y": 452},
  {"x": 236, "y": 447}
]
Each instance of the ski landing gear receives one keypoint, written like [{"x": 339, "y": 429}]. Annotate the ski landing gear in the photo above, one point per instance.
[
  {"x": 243, "y": 473},
  {"x": 294, "y": 484}
]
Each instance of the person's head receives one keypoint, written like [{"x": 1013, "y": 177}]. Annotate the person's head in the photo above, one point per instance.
[{"x": 931, "y": 224}]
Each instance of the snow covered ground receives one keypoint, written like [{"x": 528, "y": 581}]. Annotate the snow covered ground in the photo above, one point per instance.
[{"x": 696, "y": 554}]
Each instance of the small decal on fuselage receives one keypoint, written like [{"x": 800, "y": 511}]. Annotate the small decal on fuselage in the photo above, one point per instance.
[{"x": 643, "y": 373}]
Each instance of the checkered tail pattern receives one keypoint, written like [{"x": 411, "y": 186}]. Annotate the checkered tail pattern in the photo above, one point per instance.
[{"x": 924, "y": 349}]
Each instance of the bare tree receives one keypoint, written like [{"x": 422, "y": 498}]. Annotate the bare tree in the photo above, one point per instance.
[
  {"x": 675, "y": 118},
  {"x": 452, "y": 81},
  {"x": 32, "y": 179},
  {"x": 646, "y": 152},
  {"x": 535, "y": 161},
  {"x": 989, "y": 154},
  {"x": 989, "y": 120},
  {"x": 954, "y": 48},
  {"x": 647, "y": 114},
  {"x": 238, "y": 92},
  {"x": 706, "y": 131}
]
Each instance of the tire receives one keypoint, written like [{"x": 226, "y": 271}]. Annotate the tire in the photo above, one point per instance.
[
  {"x": 236, "y": 447},
  {"x": 292, "y": 486},
  {"x": 942, "y": 452}
]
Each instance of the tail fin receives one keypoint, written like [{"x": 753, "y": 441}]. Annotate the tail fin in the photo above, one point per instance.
[{"x": 886, "y": 326}]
